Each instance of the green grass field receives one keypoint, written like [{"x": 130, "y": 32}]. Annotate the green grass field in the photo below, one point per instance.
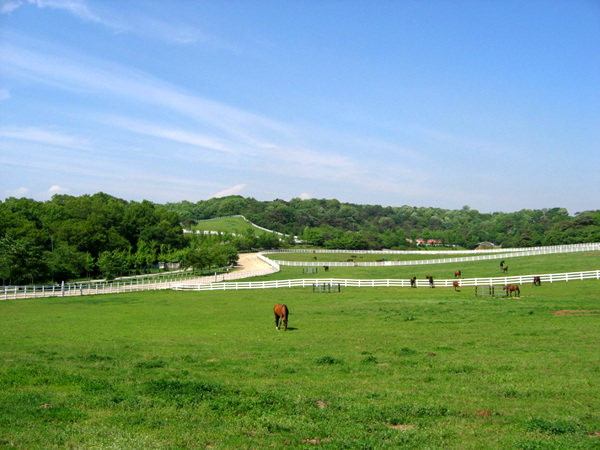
[
  {"x": 530, "y": 265},
  {"x": 362, "y": 368},
  {"x": 235, "y": 225}
]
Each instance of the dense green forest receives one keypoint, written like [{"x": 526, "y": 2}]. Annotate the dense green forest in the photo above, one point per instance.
[
  {"x": 71, "y": 237},
  {"x": 96, "y": 235},
  {"x": 333, "y": 224}
]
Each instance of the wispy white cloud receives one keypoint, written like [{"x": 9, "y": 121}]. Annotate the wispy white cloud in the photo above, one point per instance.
[
  {"x": 79, "y": 73},
  {"x": 176, "y": 33},
  {"x": 44, "y": 136},
  {"x": 234, "y": 190},
  {"x": 56, "y": 189},
  {"x": 18, "y": 193},
  {"x": 172, "y": 134},
  {"x": 256, "y": 143},
  {"x": 132, "y": 23},
  {"x": 77, "y": 8},
  {"x": 7, "y": 6}
]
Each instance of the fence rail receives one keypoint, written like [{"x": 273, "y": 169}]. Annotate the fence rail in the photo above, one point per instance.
[
  {"x": 506, "y": 253},
  {"x": 224, "y": 281},
  {"x": 119, "y": 287},
  {"x": 309, "y": 282},
  {"x": 585, "y": 247}
]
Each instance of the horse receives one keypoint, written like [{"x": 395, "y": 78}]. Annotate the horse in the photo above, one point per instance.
[
  {"x": 281, "y": 313},
  {"x": 510, "y": 288},
  {"x": 413, "y": 282},
  {"x": 430, "y": 278},
  {"x": 537, "y": 281},
  {"x": 457, "y": 274},
  {"x": 505, "y": 268},
  {"x": 456, "y": 285},
  {"x": 502, "y": 263}
]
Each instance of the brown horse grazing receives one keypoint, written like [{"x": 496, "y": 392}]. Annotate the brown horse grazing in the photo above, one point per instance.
[
  {"x": 505, "y": 268},
  {"x": 510, "y": 288},
  {"x": 457, "y": 274},
  {"x": 430, "y": 278},
  {"x": 413, "y": 282},
  {"x": 537, "y": 281},
  {"x": 281, "y": 313},
  {"x": 456, "y": 285}
]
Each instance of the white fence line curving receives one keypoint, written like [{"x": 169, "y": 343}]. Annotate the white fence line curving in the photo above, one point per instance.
[
  {"x": 506, "y": 253},
  {"x": 548, "y": 249},
  {"x": 309, "y": 282},
  {"x": 119, "y": 287},
  {"x": 219, "y": 281}
]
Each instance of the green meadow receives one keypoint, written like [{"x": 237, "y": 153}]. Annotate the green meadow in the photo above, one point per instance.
[
  {"x": 528, "y": 265},
  {"x": 360, "y": 368},
  {"x": 235, "y": 225}
]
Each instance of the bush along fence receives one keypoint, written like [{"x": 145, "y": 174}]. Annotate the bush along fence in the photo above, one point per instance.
[{"x": 422, "y": 283}]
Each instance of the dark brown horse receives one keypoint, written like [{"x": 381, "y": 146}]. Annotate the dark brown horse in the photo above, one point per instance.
[
  {"x": 456, "y": 285},
  {"x": 505, "y": 268},
  {"x": 281, "y": 313},
  {"x": 537, "y": 281},
  {"x": 430, "y": 278},
  {"x": 457, "y": 274},
  {"x": 510, "y": 288},
  {"x": 413, "y": 282}
]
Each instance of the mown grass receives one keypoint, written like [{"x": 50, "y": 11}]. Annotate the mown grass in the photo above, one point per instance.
[
  {"x": 235, "y": 225},
  {"x": 367, "y": 257},
  {"x": 526, "y": 265},
  {"x": 363, "y": 368}
]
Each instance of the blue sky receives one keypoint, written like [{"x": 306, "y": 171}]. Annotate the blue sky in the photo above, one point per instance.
[{"x": 494, "y": 104}]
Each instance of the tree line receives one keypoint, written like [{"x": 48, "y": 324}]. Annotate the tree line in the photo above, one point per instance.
[
  {"x": 99, "y": 235},
  {"x": 333, "y": 224},
  {"x": 96, "y": 235}
]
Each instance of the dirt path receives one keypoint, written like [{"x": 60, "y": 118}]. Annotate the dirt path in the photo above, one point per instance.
[{"x": 250, "y": 261}]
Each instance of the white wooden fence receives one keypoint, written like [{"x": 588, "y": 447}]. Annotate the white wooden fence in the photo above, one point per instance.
[
  {"x": 566, "y": 248},
  {"x": 309, "y": 282},
  {"x": 119, "y": 287},
  {"x": 223, "y": 281},
  {"x": 497, "y": 254}
]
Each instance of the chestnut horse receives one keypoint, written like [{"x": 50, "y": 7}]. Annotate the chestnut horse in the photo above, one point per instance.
[
  {"x": 456, "y": 285},
  {"x": 537, "y": 281},
  {"x": 281, "y": 313},
  {"x": 510, "y": 288},
  {"x": 457, "y": 274},
  {"x": 413, "y": 282}
]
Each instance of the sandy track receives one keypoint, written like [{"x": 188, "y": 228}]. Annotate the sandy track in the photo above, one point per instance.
[{"x": 250, "y": 261}]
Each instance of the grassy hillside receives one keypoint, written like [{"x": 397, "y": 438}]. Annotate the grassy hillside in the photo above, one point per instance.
[
  {"x": 235, "y": 225},
  {"x": 363, "y": 368}
]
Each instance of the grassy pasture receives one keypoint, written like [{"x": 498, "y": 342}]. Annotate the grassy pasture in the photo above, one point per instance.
[
  {"x": 235, "y": 225},
  {"x": 526, "y": 265},
  {"x": 367, "y": 257},
  {"x": 363, "y": 368}
]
